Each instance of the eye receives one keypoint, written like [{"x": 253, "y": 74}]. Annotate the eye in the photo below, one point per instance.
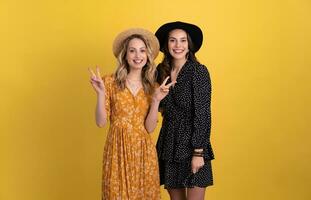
[
  {"x": 131, "y": 51},
  {"x": 184, "y": 40},
  {"x": 171, "y": 40}
]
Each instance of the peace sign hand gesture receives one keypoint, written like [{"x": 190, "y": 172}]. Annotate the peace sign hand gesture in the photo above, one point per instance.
[
  {"x": 163, "y": 90},
  {"x": 97, "y": 81}
]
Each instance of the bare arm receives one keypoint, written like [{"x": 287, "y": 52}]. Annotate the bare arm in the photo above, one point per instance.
[
  {"x": 152, "y": 117},
  {"x": 159, "y": 94},
  {"x": 100, "y": 110}
]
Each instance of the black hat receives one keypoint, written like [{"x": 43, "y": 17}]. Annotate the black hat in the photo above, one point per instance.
[{"x": 194, "y": 32}]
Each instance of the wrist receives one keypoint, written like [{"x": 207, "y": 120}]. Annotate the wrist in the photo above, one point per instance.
[
  {"x": 198, "y": 153},
  {"x": 155, "y": 100},
  {"x": 101, "y": 95}
]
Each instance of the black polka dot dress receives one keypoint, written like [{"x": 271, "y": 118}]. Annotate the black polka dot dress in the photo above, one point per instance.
[{"x": 186, "y": 126}]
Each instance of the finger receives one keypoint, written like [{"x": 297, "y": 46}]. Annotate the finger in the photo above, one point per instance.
[
  {"x": 95, "y": 81},
  {"x": 165, "y": 80},
  {"x": 93, "y": 84},
  {"x": 98, "y": 72},
  {"x": 170, "y": 84},
  {"x": 98, "y": 82},
  {"x": 91, "y": 71},
  {"x": 95, "y": 78},
  {"x": 162, "y": 89},
  {"x": 166, "y": 87}
]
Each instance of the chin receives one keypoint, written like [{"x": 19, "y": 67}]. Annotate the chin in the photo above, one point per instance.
[
  {"x": 137, "y": 67},
  {"x": 179, "y": 57}
]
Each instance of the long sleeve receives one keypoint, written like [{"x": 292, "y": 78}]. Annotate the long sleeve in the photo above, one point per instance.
[{"x": 202, "y": 108}]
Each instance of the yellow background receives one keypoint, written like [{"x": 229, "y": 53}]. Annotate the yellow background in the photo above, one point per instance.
[{"x": 258, "y": 54}]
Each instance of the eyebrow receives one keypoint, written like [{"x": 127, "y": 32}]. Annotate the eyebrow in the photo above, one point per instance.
[
  {"x": 170, "y": 37},
  {"x": 139, "y": 48}
]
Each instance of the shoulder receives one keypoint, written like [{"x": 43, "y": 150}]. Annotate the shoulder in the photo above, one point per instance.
[
  {"x": 201, "y": 76},
  {"x": 109, "y": 78},
  {"x": 199, "y": 69}
]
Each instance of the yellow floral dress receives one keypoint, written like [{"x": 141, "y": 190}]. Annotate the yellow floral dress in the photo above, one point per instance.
[{"x": 130, "y": 168}]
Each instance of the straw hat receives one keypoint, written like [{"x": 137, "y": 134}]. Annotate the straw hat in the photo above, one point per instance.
[{"x": 149, "y": 37}]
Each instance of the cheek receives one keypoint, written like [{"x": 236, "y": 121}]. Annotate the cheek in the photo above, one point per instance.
[
  {"x": 170, "y": 46},
  {"x": 145, "y": 60},
  {"x": 144, "y": 55},
  {"x": 128, "y": 56}
]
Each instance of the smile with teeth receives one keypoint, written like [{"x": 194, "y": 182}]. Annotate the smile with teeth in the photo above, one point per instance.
[
  {"x": 178, "y": 50},
  {"x": 138, "y": 61}
]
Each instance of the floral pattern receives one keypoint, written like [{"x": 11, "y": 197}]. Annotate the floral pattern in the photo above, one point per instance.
[{"x": 130, "y": 168}]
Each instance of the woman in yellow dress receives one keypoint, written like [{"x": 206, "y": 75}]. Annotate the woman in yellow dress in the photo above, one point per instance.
[{"x": 130, "y": 168}]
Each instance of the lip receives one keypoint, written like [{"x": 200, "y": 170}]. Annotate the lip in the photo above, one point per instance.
[
  {"x": 138, "y": 61},
  {"x": 178, "y": 50}
]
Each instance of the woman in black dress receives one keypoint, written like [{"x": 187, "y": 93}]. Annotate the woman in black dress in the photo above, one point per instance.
[{"x": 183, "y": 98}]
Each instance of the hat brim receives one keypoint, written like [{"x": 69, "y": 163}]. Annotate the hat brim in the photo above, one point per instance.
[
  {"x": 194, "y": 32},
  {"x": 149, "y": 36}
]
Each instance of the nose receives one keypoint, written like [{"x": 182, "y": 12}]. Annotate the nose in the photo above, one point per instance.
[
  {"x": 177, "y": 44},
  {"x": 136, "y": 55}
]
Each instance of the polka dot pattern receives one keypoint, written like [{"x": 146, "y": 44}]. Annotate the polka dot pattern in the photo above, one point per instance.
[
  {"x": 179, "y": 175},
  {"x": 186, "y": 126}
]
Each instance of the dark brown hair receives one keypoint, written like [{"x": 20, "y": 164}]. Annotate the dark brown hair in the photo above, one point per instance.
[{"x": 164, "y": 68}]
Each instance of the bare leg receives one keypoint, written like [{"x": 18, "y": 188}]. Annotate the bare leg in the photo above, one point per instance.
[
  {"x": 195, "y": 193},
  {"x": 177, "y": 194}
]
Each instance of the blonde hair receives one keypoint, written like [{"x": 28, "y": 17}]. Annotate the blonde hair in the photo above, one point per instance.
[{"x": 148, "y": 71}]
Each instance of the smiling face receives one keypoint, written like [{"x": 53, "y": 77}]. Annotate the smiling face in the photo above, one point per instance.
[
  {"x": 178, "y": 44},
  {"x": 136, "y": 54}
]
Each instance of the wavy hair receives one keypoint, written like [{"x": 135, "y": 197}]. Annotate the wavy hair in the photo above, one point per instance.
[
  {"x": 148, "y": 71},
  {"x": 165, "y": 67}
]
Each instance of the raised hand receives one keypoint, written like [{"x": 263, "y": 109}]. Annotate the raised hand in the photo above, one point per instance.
[
  {"x": 97, "y": 81},
  {"x": 163, "y": 90}
]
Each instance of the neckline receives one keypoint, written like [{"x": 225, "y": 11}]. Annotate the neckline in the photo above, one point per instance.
[
  {"x": 130, "y": 91},
  {"x": 179, "y": 73}
]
